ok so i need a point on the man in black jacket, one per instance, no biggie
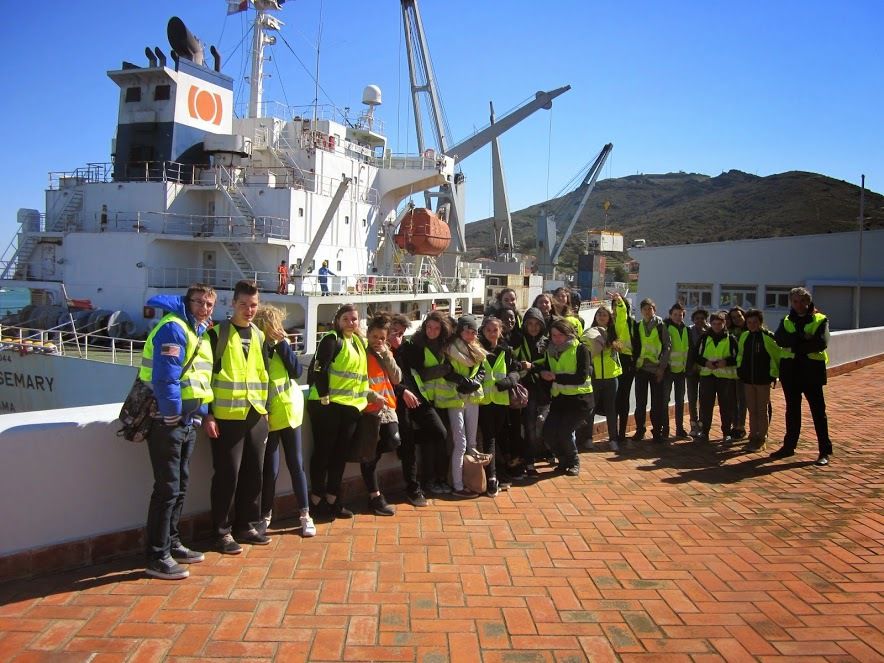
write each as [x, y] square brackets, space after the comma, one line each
[803, 336]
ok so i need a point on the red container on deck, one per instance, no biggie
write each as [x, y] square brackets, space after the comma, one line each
[422, 233]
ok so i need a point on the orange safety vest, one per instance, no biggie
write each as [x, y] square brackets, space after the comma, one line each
[379, 383]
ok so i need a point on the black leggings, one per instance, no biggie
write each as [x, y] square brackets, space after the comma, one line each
[388, 440]
[493, 422]
[624, 388]
[333, 428]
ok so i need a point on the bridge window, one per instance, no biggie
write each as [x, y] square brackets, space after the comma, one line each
[133, 94]
[162, 93]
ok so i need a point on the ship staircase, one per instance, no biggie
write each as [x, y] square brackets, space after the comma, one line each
[247, 220]
[66, 219]
[284, 151]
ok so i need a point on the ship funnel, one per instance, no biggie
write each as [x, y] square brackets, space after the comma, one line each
[183, 41]
[151, 58]
[216, 56]
[160, 56]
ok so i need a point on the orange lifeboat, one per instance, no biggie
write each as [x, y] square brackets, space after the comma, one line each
[422, 233]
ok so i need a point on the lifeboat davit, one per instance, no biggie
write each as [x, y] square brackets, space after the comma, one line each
[422, 233]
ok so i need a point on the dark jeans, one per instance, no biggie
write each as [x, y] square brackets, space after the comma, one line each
[676, 380]
[816, 400]
[659, 415]
[388, 439]
[333, 428]
[605, 397]
[290, 438]
[559, 430]
[712, 387]
[170, 450]
[692, 382]
[493, 422]
[423, 426]
[238, 461]
[624, 388]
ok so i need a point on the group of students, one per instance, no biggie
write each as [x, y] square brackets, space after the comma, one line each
[517, 387]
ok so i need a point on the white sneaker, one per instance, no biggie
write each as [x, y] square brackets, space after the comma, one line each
[614, 446]
[308, 528]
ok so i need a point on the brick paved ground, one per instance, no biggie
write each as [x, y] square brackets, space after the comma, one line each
[683, 553]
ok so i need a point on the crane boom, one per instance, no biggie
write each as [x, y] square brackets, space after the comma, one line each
[479, 140]
[589, 182]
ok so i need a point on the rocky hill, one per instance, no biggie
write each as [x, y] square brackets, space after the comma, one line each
[682, 208]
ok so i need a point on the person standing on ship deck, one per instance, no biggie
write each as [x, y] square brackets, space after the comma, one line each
[283, 286]
[182, 398]
[237, 424]
[324, 273]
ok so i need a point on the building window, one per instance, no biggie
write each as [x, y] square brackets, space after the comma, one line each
[133, 94]
[776, 297]
[694, 295]
[162, 93]
[745, 296]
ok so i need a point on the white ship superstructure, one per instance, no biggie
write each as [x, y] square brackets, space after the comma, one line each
[195, 194]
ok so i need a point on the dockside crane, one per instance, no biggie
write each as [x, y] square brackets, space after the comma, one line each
[450, 197]
[549, 247]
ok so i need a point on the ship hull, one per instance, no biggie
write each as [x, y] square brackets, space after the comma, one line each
[30, 382]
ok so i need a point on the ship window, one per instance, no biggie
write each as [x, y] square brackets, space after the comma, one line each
[694, 295]
[776, 297]
[133, 94]
[301, 211]
[346, 221]
[364, 223]
[298, 263]
[738, 295]
[162, 93]
[339, 264]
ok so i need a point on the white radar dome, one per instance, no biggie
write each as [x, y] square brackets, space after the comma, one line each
[371, 95]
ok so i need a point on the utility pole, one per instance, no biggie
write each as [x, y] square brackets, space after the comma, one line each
[859, 265]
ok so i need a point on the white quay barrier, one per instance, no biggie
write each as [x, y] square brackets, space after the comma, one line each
[68, 478]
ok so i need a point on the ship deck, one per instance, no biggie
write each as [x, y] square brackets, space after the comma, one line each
[685, 553]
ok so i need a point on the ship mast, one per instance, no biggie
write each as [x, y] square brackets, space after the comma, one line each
[260, 39]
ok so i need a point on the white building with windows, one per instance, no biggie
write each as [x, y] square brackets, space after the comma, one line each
[758, 273]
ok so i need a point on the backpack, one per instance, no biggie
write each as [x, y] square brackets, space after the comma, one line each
[311, 369]
[140, 408]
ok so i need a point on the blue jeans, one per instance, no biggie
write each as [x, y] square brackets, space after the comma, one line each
[294, 460]
[170, 449]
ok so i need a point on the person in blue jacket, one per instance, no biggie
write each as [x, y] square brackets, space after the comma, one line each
[182, 399]
[324, 273]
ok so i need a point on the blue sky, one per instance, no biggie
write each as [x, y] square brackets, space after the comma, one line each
[763, 87]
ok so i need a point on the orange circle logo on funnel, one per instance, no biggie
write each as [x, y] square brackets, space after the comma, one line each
[204, 105]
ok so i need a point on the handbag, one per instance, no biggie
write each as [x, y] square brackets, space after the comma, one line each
[474, 463]
[518, 397]
[140, 408]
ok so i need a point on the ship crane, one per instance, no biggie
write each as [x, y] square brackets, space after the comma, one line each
[450, 197]
[549, 248]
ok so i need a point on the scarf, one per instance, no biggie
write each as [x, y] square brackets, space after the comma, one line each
[468, 355]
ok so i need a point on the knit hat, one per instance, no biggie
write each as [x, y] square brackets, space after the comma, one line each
[468, 322]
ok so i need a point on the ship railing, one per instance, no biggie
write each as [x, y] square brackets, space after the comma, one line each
[373, 284]
[90, 173]
[64, 342]
[224, 227]
[429, 160]
[130, 171]
[222, 279]
[283, 177]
